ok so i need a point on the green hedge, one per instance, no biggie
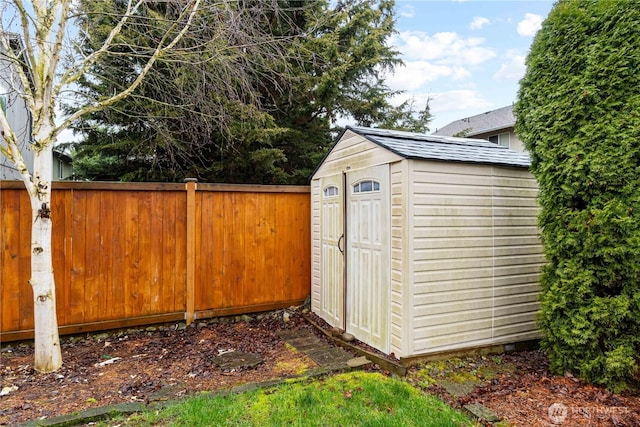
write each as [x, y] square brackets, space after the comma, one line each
[578, 114]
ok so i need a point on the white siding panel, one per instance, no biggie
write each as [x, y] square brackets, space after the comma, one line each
[480, 306]
[514, 332]
[476, 255]
[504, 251]
[518, 259]
[525, 284]
[355, 152]
[445, 334]
[451, 341]
[453, 222]
[460, 232]
[400, 329]
[434, 210]
[315, 245]
[460, 262]
[447, 275]
[516, 299]
[518, 231]
[439, 244]
[457, 290]
[517, 240]
[435, 254]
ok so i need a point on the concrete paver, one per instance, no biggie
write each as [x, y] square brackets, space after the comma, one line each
[319, 351]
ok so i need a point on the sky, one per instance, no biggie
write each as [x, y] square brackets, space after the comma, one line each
[467, 56]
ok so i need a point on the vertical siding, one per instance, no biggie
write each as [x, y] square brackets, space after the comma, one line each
[400, 300]
[476, 255]
[315, 245]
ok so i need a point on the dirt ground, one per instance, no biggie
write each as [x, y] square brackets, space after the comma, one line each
[520, 389]
[171, 361]
[161, 362]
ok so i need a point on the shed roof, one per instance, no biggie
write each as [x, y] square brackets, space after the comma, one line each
[493, 120]
[445, 148]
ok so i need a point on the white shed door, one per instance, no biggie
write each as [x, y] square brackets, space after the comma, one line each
[332, 245]
[368, 259]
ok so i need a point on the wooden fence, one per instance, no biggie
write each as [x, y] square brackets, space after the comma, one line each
[133, 254]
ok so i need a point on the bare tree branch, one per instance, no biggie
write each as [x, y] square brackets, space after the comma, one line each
[160, 48]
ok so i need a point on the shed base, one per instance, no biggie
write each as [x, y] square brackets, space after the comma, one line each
[471, 351]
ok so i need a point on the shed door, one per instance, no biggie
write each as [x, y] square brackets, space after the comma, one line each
[332, 245]
[368, 260]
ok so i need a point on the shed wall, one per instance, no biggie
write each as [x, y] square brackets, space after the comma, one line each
[315, 245]
[401, 293]
[476, 255]
[353, 152]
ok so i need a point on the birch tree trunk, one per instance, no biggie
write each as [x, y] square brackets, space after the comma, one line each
[48, 356]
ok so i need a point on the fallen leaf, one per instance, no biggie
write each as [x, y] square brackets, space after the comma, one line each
[8, 390]
[107, 362]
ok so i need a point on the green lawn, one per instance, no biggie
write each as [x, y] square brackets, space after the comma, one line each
[353, 399]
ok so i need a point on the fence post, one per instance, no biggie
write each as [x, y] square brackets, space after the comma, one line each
[191, 184]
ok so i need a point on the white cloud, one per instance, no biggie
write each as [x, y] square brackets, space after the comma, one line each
[407, 11]
[446, 48]
[449, 106]
[529, 25]
[458, 101]
[514, 67]
[479, 22]
[414, 74]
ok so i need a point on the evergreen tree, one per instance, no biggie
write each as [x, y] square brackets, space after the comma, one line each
[271, 123]
[578, 114]
[197, 110]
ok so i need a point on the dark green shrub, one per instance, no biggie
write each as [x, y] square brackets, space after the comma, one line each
[578, 114]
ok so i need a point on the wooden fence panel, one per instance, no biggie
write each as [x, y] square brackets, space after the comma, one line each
[252, 250]
[120, 253]
[17, 298]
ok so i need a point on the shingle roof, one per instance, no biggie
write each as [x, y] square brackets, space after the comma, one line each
[434, 147]
[501, 118]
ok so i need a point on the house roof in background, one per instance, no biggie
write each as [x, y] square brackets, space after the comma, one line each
[444, 148]
[493, 120]
[16, 44]
[63, 151]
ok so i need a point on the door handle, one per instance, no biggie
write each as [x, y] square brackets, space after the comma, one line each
[340, 240]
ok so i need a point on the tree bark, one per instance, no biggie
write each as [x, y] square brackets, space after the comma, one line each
[48, 357]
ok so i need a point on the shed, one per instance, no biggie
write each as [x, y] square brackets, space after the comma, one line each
[424, 244]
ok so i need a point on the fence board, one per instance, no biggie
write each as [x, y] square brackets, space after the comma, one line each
[120, 253]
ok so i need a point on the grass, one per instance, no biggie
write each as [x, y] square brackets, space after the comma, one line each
[352, 399]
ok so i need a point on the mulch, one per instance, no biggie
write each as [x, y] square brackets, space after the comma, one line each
[171, 361]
